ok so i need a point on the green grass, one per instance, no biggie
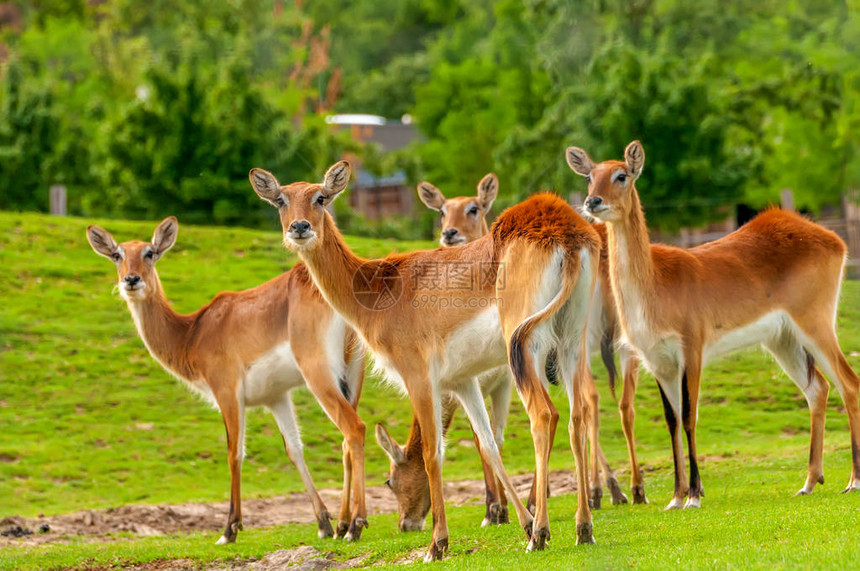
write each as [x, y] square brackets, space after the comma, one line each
[90, 421]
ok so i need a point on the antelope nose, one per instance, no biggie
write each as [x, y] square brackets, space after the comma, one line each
[593, 202]
[449, 233]
[132, 279]
[300, 227]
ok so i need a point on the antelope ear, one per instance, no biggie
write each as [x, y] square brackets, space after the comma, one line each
[488, 188]
[336, 179]
[387, 443]
[265, 185]
[431, 196]
[634, 156]
[579, 161]
[102, 242]
[165, 236]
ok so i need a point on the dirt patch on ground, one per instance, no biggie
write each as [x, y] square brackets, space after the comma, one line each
[304, 558]
[149, 520]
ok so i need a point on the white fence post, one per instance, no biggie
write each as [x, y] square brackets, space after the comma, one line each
[786, 199]
[58, 200]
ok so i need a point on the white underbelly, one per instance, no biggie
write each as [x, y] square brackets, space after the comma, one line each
[474, 348]
[271, 376]
[765, 328]
[494, 378]
[662, 357]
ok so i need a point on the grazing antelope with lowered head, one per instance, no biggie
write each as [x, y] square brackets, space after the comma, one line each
[532, 279]
[465, 220]
[252, 348]
[774, 282]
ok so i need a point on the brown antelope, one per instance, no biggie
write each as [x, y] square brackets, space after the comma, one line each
[463, 221]
[520, 291]
[252, 348]
[773, 282]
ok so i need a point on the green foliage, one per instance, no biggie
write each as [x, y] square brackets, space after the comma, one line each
[734, 101]
[185, 145]
[26, 136]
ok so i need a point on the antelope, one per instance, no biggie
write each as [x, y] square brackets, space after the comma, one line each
[532, 279]
[252, 348]
[464, 220]
[774, 282]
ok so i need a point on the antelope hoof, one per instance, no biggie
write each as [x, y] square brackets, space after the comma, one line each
[354, 533]
[675, 504]
[584, 533]
[853, 486]
[595, 499]
[496, 514]
[324, 530]
[230, 533]
[342, 528]
[539, 540]
[638, 494]
[693, 502]
[618, 497]
[437, 550]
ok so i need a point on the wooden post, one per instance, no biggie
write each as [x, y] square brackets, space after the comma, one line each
[58, 200]
[786, 199]
[851, 205]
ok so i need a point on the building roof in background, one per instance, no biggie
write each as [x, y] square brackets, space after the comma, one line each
[355, 119]
[391, 135]
[365, 179]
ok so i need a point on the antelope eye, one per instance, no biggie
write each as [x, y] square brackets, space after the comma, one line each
[116, 257]
[321, 200]
[621, 178]
[280, 202]
[149, 255]
[388, 482]
[473, 211]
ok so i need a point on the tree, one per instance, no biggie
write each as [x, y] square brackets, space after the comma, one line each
[671, 104]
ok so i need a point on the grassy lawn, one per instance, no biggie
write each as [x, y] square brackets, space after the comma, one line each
[90, 421]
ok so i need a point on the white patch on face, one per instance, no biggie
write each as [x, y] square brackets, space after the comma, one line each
[307, 241]
[616, 174]
[136, 294]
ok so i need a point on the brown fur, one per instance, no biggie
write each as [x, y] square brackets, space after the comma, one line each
[407, 338]
[213, 347]
[778, 261]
